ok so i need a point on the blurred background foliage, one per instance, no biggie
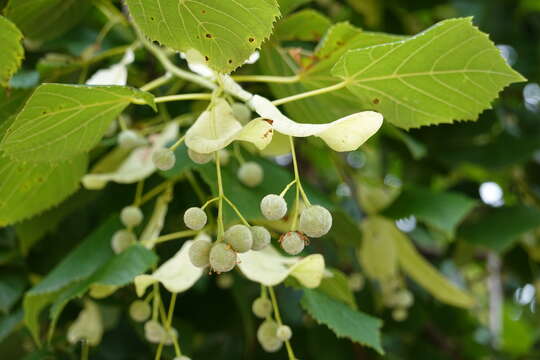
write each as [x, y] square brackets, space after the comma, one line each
[468, 194]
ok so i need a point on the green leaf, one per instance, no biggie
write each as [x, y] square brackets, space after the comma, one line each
[11, 289]
[287, 6]
[11, 101]
[426, 275]
[30, 188]
[337, 287]
[61, 121]
[30, 231]
[499, 228]
[225, 33]
[314, 73]
[378, 254]
[441, 210]
[46, 19]
[11, 50]
[305, 25]
[345, 230]
[342, 320]
[451, 71]
[417, 149]
[118, 271]
[80, 264]
[518, 335]
[9, 322]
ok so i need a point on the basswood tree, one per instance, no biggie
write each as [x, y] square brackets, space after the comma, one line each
[137, 165]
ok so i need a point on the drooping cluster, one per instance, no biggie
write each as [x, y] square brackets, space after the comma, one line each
[131, 216]
[398, 298]
[315, 221]
[270, 334]
[221, 256]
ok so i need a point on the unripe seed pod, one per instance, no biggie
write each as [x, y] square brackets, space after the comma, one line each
[195, 218]
[164, 159]
[261, 307]
[273, 207]
[315, 221]
[241, 112]
[239, 237]
[399, 314]
[284, 333]
[356, 281]
[199, 253]
[139, 310]
[129, 139]
[131, 216]
[261, 237]
[154, 332]
[403, 298]
[266, 334]
[121, 240]
[222, 258]
[250, 174]
[292, 242]
[199, 158]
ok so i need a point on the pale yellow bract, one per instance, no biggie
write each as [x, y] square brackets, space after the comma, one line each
[217, 127]
[345, 134]
[268, 267]
[177, 274]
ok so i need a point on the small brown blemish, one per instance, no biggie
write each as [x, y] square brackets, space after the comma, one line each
[230, 61]
[339, 43]
[269, 132]
[208, 36]
[152, 18]
[269, 121]
[206, 58]
[376, 101]
[203, 11]
[251, 39]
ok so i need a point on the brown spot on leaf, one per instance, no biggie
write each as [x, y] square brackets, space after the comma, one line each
[206, 58]
[208, 36]
[251, 39]
[270, 121]
[376, 101]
